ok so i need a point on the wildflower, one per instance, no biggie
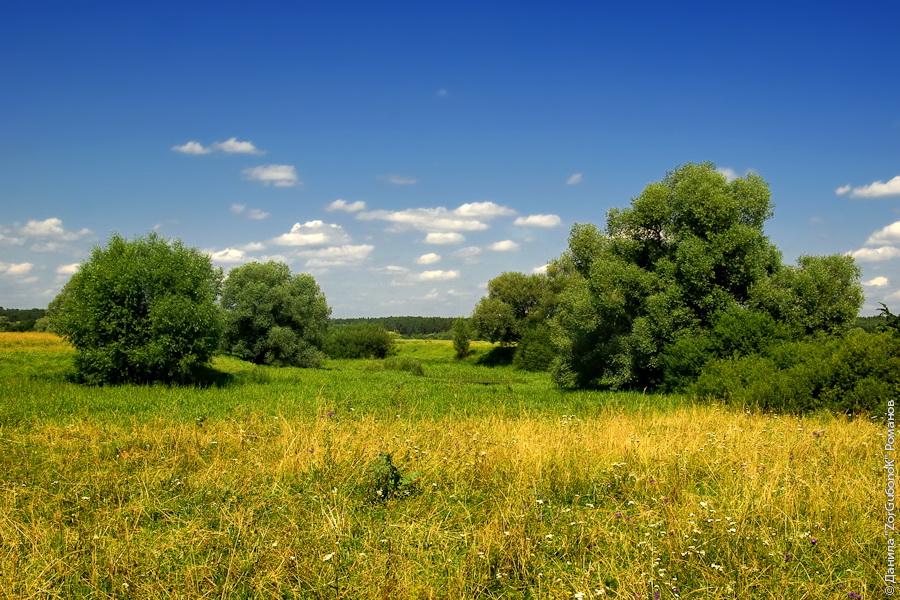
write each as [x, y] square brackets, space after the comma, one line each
[853, 595]
[813, 541]
[328, 557]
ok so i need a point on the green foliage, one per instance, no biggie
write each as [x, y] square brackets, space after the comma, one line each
[408, 327]
[855, 373]
[362, 340]
[140, 311]
[535, 350]
[513, 303]
[405, 364]
[18, 319]
[273, 317]
[683, 274]
[461, 334]
[890, 321]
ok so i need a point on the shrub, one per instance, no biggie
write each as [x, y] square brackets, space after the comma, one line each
[461, 334]
[409, 365]
[852, 374]
[140, 311]
[535, 350]
[360, 340]
[273, 317]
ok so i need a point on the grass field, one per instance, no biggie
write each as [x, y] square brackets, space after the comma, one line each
[263, 487]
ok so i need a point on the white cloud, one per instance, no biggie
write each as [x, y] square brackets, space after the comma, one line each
[51, 228]
[444, 239]
[229, 146]
[398, 179]
[885, 236]
[843, 189]
[876, 254]
[394, 270]
[428, 259]
[277, 175]
[876, 282]
[538, 221]
[877, 189]
[574, 179]
[253, 247]
[192, 147]
[15, 268]
[483, 210]
[432, 295]
[542, 270]
[313, 233]
[504, 246]
[337, 256]
[436, 275]
[228, 256]
[467, 217]
[729, 173]
[253, 213]
[67, 269]
[233, 146]
[344, 206]
[467, 254]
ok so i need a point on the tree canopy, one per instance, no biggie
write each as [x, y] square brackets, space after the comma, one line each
[688, 250]
[140, 310]
[273, 317]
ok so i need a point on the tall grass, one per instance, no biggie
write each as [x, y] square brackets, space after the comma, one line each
[260, 488]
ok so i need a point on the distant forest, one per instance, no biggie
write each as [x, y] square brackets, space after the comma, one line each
[24, 319]
[410, 327]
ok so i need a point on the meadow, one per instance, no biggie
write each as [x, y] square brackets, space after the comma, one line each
[264, 485]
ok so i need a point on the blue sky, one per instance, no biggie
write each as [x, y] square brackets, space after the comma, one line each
[404, 153]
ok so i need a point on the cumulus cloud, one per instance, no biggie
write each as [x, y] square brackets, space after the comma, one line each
[313, 233]
[467, 217]
[877, 282]
[277, 175]
[398, 179]
[885, 236]
[468, 254]
[729, 173]
[877, 189]
[504, 246]
[876, 254]
[393, 270]
[436, 275]
[253, 213]
[428, 259]
[538, 221]
[444, 239]
[229, 146]
[337, 256]
[344, 206]
[542, 270]
[52, 228]
[574, 179]
[228, 256]
[69, 269]
[15, 268]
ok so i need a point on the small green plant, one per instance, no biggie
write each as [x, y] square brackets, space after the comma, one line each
[386, 481]
[462, 335]
[404, 363]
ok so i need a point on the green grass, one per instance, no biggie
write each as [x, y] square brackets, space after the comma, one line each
[261, 487]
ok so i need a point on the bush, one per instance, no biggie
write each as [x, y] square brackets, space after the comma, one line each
[852, 374]
[462, 334]
[535, 350]
[361, 340]
[273, 317]
[408, 365]
[140, 311]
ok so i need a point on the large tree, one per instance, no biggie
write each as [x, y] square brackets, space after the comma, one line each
[140, 310]
[515, 302]
[688, 250]
[273, 317]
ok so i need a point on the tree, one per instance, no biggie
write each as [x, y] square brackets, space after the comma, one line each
[462, 334]
[140, 311]
[688, 250]
[272, 317]
[514, 302]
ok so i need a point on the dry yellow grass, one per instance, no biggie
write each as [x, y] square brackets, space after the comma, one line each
[31, 341]
[700, 502]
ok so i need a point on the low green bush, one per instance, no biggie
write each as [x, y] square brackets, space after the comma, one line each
[360, 340]
[402, 363]
[852, 374]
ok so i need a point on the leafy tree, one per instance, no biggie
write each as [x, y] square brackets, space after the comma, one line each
[273, 317]
[360, 340]
[462, 334]
[646, 294]
[140, 311]
[514, 302]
